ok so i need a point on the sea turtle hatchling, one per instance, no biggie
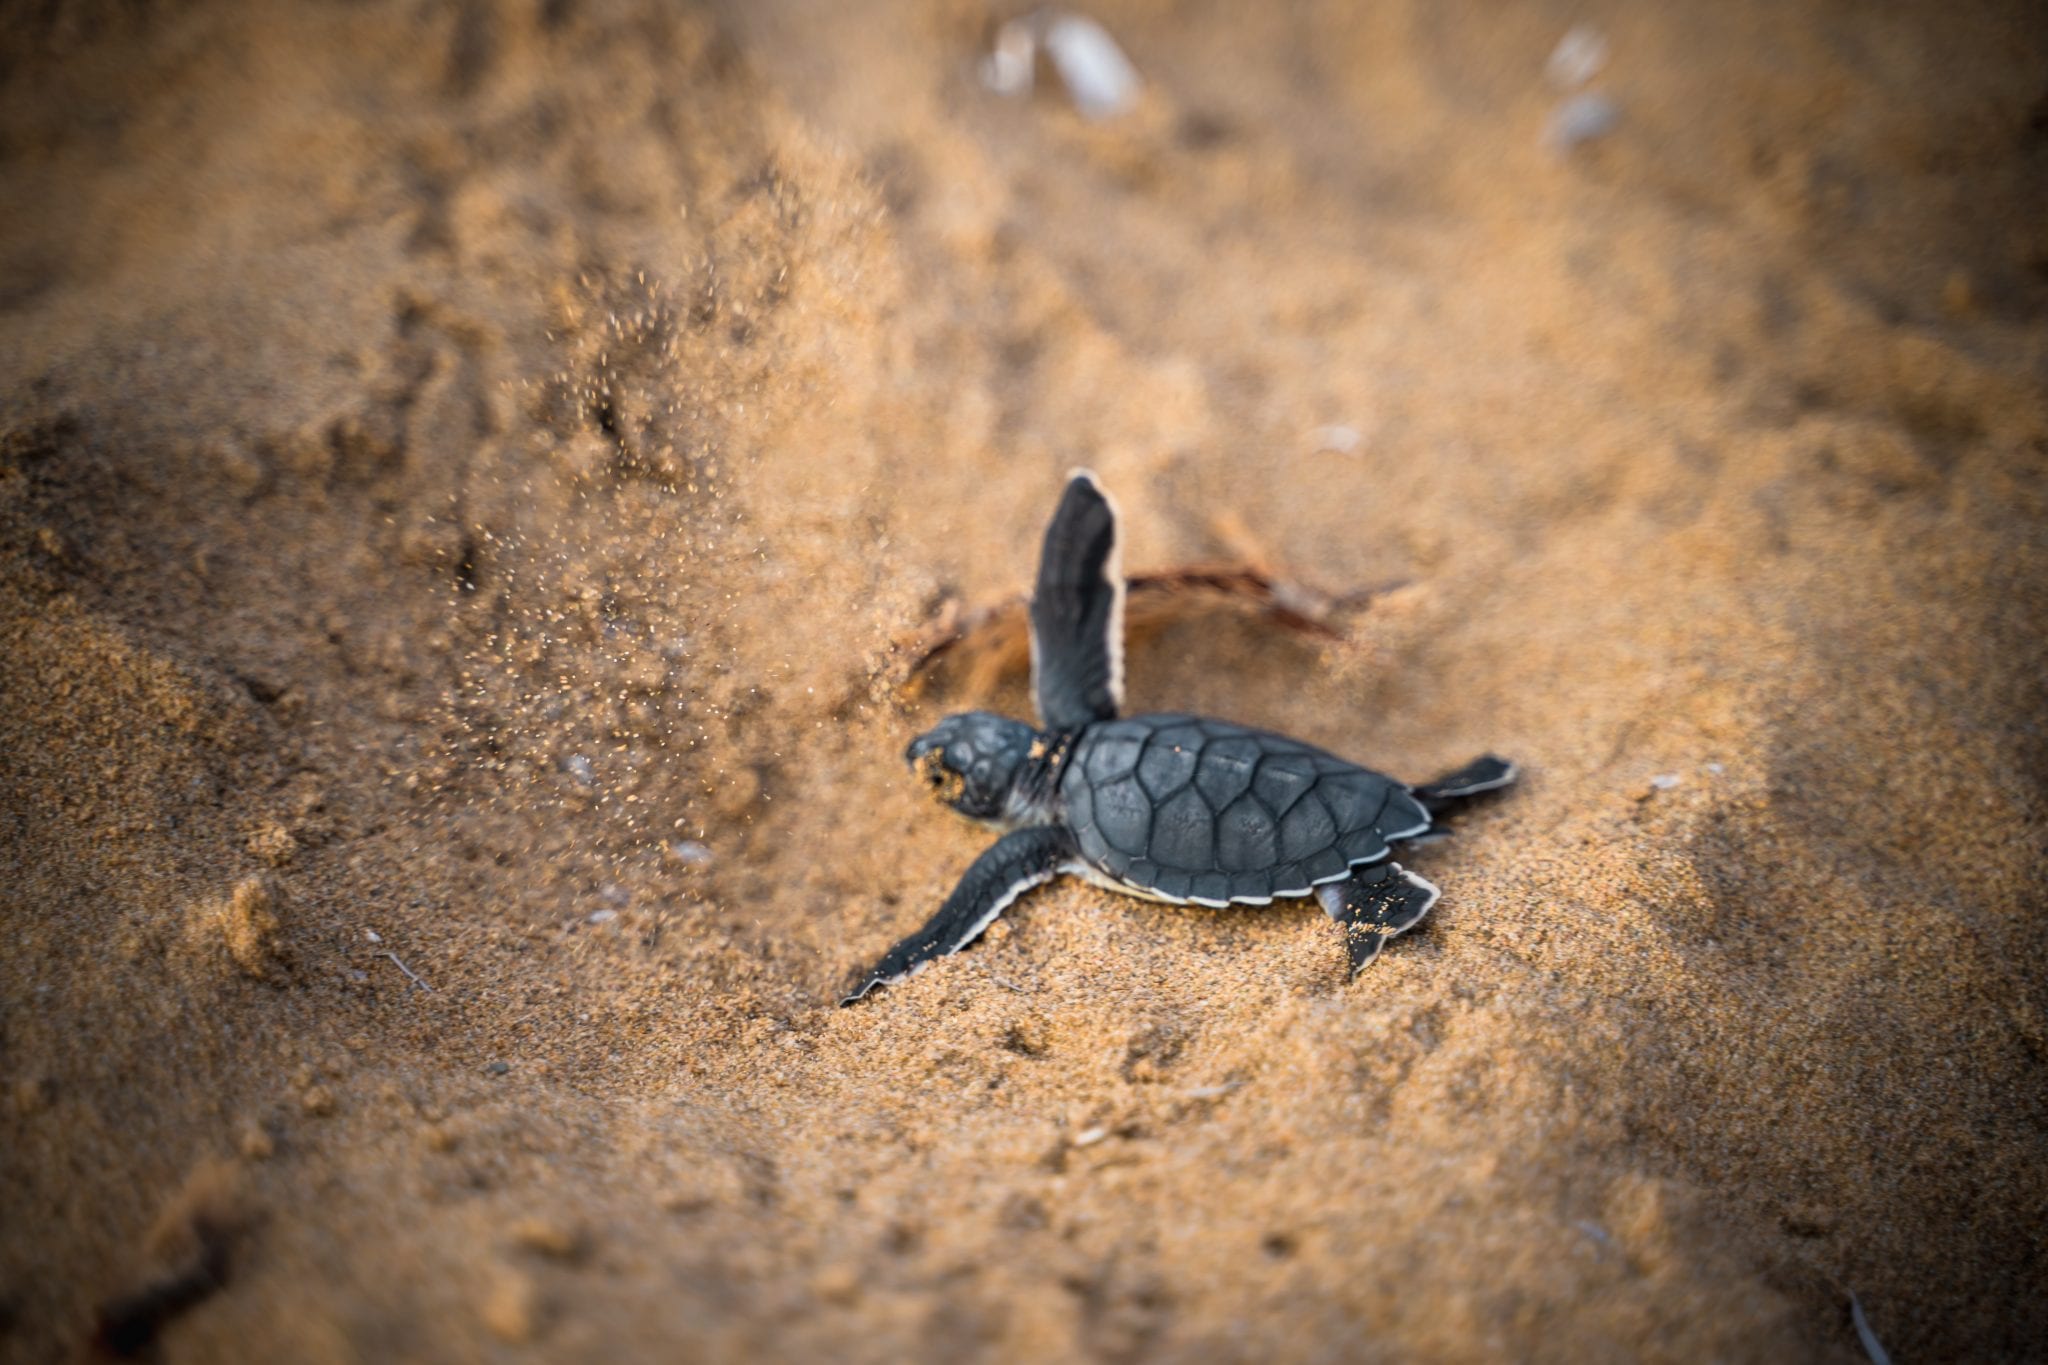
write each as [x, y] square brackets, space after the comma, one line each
[1168, 807]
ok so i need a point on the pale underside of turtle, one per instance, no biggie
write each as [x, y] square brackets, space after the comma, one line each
[1175, 808]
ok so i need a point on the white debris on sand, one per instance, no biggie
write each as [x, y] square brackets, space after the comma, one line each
[1577, 58]
[688, 852]
[1579, 120]
[1098, 76]
[1007, 68]
[1337, 439]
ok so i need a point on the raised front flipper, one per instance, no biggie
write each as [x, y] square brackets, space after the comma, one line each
[1013, 865]
[1077, 612]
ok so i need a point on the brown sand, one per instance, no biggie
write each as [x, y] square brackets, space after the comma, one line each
[453, 456]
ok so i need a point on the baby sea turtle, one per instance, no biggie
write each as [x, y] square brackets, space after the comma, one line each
[1167, 807]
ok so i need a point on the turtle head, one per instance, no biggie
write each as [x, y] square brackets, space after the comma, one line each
[972, 761]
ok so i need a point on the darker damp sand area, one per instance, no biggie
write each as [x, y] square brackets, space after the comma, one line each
[467, 478]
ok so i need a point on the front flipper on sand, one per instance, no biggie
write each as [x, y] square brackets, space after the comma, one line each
[1013, 865]
[1374, 904]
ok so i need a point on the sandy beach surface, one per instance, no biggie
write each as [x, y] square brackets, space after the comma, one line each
[471, 481]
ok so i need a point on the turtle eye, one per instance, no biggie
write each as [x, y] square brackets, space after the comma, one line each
[932, 769]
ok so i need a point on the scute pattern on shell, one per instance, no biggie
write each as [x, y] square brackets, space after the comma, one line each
[1189, 808]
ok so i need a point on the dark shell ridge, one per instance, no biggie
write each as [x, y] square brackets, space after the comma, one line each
[1194, 809]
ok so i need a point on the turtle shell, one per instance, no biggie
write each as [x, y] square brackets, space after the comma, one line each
[1191, 809]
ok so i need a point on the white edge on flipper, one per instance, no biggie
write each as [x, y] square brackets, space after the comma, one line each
[980, 927]
[1326, 890]
[1505, 779]
[1031, 637]
[1113, 569]
[1434, 896]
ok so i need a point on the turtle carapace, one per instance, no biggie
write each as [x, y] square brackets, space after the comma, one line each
[1167, 807]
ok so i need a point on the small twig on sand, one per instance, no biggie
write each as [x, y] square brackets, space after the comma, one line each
[1212, 1092]
[1007, 985]
[411, 975]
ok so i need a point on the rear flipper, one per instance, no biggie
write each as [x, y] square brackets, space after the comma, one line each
[1374, 904]
[1475, 778]
[1012, 865]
